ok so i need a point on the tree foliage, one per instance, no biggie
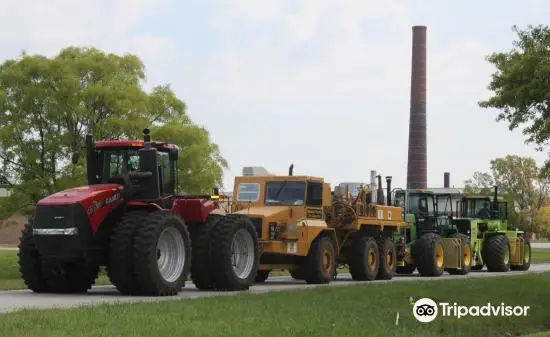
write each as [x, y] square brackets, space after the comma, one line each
[521, 84]
[48, 105]
[521, 182]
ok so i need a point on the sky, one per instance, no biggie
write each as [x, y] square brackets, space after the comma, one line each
[324, 85]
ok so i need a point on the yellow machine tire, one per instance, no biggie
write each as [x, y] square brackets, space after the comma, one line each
[428, 254]
[320, 263]
[363, 258]
[467, 249]
[526, 258]
[388, 259]
[227, 230]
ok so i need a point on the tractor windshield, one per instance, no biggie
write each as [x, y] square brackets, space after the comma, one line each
[420, 204]
[113, 161]
[285, 193]
[417, 203]
[481, 208]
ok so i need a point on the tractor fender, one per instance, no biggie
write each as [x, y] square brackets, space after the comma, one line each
[312, 229]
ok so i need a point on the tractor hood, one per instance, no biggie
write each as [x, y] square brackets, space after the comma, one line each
[82, 194]
[263, 211]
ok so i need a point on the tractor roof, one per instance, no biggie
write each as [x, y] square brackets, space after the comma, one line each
[268, 178]
[137, 144]
[416, 190]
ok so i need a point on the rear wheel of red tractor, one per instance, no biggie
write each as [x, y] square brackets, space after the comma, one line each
[120, 267]
[201, 270]
[162, 254]
[30, 265]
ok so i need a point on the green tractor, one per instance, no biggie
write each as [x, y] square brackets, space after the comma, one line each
[485, 223]
[423, 242]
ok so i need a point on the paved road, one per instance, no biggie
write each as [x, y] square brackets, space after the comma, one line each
[19, 299]
[533, 245]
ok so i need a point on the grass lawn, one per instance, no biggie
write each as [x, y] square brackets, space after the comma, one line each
[360, 310]
[10, 278]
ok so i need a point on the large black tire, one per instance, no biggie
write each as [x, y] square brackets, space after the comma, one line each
[147, 255]
[526, 257]
[201, 270]
[363, 259]
[467, 258]
[226, 278]
[120, 266]
[388, 259]
[320, 262]
[428, 254]
[70, 277]
[262, 276]
[497, 253]
[30, 265]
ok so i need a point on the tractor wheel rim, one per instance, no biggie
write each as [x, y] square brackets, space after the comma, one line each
[526, 254]
[170, 254]
[372, 259]
[327, 261]
[467, 255]
[439, 256]
[242, 250]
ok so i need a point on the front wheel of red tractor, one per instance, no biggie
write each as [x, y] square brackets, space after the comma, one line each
[162, 254]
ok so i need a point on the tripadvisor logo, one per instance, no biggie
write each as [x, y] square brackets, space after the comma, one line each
[426, 310]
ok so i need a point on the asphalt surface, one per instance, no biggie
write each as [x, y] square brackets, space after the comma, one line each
[533, 245]
[21, 299]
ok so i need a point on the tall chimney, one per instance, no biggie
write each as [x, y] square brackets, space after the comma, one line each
[446, 179]
[417, 175]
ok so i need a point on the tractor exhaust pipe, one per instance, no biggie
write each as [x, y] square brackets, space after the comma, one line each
[146, 138]
[291, 170]
[91, 160]
[380, 196]
[388, 190]
[446, 179]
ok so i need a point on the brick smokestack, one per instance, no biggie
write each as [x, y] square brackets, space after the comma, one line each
[417, 170]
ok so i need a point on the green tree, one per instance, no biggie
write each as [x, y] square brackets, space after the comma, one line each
[521, 84]
[481, 184]
[48, 105]
[521, 182]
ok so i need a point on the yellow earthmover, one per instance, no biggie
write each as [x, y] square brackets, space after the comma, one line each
[301, 227]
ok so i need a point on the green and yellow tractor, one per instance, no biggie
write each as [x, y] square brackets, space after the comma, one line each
[494, 245]
[421, 244]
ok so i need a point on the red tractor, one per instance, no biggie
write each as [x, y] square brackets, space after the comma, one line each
[130, 219]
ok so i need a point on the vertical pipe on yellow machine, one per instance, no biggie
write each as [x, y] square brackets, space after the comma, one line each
[372, 186]
[380, 195]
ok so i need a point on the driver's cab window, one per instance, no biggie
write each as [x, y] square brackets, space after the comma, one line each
[482, 209]
[285, 193]
[116, 161]
[314, 194]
